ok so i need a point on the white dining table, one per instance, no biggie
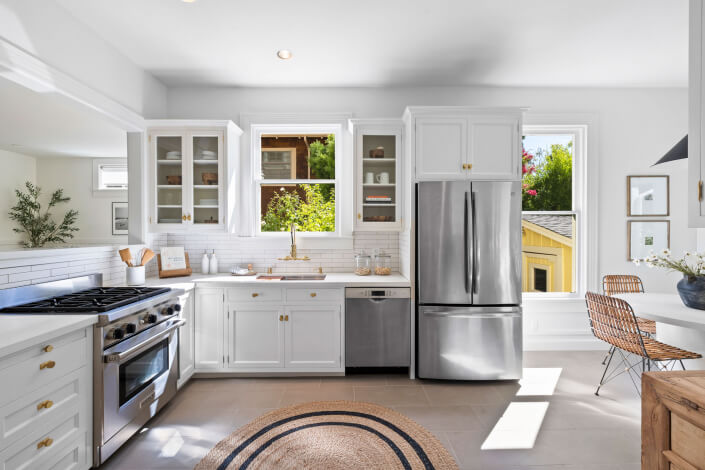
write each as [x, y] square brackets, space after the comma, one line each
[676, 324]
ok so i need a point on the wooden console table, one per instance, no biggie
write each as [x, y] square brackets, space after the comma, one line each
[673, 420]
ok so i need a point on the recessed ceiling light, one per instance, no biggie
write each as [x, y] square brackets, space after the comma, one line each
[188, 1]
[284, 54]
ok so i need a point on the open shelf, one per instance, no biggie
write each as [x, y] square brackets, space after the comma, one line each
[169, 186]
[169, 206]
[378, 185]
[379, 204]
[169, 162]
[379, 160]
[205, 186]
[205, 162]
[205, 207]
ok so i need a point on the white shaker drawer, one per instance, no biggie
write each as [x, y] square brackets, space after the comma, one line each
[314, 294]
[72, 456]
[40, 450]
[35, 408]
[35, 367]
[255, 294]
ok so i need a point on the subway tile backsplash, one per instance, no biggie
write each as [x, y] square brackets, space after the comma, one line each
[233, 251]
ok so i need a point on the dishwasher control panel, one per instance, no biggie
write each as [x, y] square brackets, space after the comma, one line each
[377, 293]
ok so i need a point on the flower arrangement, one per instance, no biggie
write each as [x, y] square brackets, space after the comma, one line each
[691, 265]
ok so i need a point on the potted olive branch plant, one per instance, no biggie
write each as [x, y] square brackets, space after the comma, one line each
[692, 265]
[39, 227]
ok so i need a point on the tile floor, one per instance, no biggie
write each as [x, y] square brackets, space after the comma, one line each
[580, 431]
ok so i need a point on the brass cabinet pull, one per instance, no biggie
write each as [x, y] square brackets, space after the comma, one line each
[281, 317]
[465, 167]
[286, 317]
[255, 294]
[47, 365]
[700, 190]
[48, 348]
[45, 442]
[183, 217]
[313, 294]
[359, 216]
[469, 166]
[45, 404]
[188, 217]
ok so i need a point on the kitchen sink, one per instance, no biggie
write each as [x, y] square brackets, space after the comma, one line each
[292, 277]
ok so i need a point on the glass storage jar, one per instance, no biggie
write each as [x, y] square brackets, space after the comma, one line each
[363, 264]
[383, 264]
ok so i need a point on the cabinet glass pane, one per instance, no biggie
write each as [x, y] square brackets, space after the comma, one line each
[205, 180]
[169, 179]
[379, 178]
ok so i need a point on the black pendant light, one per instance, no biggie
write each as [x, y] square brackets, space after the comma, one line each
[677, 152]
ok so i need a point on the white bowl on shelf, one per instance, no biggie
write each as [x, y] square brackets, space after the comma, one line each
[208, 202]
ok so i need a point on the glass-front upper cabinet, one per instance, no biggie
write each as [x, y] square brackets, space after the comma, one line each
[189, 171]
[378, 156]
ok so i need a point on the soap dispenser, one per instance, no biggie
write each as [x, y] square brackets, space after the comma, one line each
[213, 264]
[205, 264]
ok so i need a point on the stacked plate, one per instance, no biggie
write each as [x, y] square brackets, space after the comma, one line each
[209, 155]
[173, 155]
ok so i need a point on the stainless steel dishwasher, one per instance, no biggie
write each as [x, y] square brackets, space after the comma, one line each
[377, 327]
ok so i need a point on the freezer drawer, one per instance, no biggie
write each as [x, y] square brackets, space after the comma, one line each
[377, 331]
[470, 343]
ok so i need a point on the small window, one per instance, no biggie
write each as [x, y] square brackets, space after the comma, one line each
[540, 280]
[110, 176]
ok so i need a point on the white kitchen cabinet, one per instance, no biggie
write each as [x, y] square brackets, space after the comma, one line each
[313, 337]
[256, 334]
[378, 173]
[191, 163]
[46, 404]
[209, 331]
[696, 116]
[187, 351]
[269, 329]
[454, 143]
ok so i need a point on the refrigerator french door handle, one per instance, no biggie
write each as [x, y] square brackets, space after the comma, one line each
[466, 253]
[431, 313]
[474, 243]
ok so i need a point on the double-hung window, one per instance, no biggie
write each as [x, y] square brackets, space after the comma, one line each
[109, 174]
[552, 203]
[296, 180]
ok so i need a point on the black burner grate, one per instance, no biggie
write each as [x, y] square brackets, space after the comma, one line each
[98, 300]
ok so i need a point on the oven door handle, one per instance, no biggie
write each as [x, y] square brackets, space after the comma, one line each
[121, 356]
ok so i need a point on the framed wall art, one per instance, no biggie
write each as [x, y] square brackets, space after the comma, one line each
[648, 196]
[645, 236]
[119, 218]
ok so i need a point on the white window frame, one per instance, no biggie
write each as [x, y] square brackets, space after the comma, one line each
[343, 208]
[583, 130]
[98, 163]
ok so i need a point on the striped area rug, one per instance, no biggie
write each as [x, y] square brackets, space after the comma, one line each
[332, 435]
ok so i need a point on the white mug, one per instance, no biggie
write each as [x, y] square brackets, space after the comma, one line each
[383, 178]
[369, 178]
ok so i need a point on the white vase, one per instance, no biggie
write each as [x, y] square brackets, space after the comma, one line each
[205, 264]
[213, 264]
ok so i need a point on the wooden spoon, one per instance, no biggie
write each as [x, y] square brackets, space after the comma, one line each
[147, 256]
[126, 256]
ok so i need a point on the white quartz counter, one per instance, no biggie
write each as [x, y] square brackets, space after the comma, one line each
[331, 280]
[20, 331]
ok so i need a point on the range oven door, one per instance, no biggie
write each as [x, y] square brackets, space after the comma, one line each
[139, 377]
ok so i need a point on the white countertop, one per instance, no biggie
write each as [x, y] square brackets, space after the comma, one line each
[331, 280]
[21, 331]
[665, 308]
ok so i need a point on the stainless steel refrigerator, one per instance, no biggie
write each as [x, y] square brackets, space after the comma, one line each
[468, 276]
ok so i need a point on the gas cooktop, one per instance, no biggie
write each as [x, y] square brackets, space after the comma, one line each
[96, 300]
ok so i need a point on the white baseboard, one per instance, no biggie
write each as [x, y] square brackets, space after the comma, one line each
[563, 343]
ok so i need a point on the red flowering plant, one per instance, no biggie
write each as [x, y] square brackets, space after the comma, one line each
[527, 168]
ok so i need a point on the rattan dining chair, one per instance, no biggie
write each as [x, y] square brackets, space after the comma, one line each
[613, 321]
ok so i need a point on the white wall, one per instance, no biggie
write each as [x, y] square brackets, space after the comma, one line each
[16, 169]
[47, 31]
[635, 128]
[75, 176]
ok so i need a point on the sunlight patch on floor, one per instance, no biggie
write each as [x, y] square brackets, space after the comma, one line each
[539, 381]
[518, 426]
[172, 446]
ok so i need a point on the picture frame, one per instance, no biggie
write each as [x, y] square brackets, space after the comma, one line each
[648, 196]
[645, 236]
[119, 219]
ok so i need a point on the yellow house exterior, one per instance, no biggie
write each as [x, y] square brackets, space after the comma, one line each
[547, 253]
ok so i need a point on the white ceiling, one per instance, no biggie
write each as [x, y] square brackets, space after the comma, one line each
[48, 124]
[399, 42]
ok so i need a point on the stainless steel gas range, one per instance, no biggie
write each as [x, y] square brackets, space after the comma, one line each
[135, 348]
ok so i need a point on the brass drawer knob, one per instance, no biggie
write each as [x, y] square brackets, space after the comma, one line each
[45, 442]
[47, 365]
[255, 294]
[45, 404]
[48, 348]
[313, 294]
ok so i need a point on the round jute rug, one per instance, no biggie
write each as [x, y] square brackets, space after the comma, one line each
[332, 435]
